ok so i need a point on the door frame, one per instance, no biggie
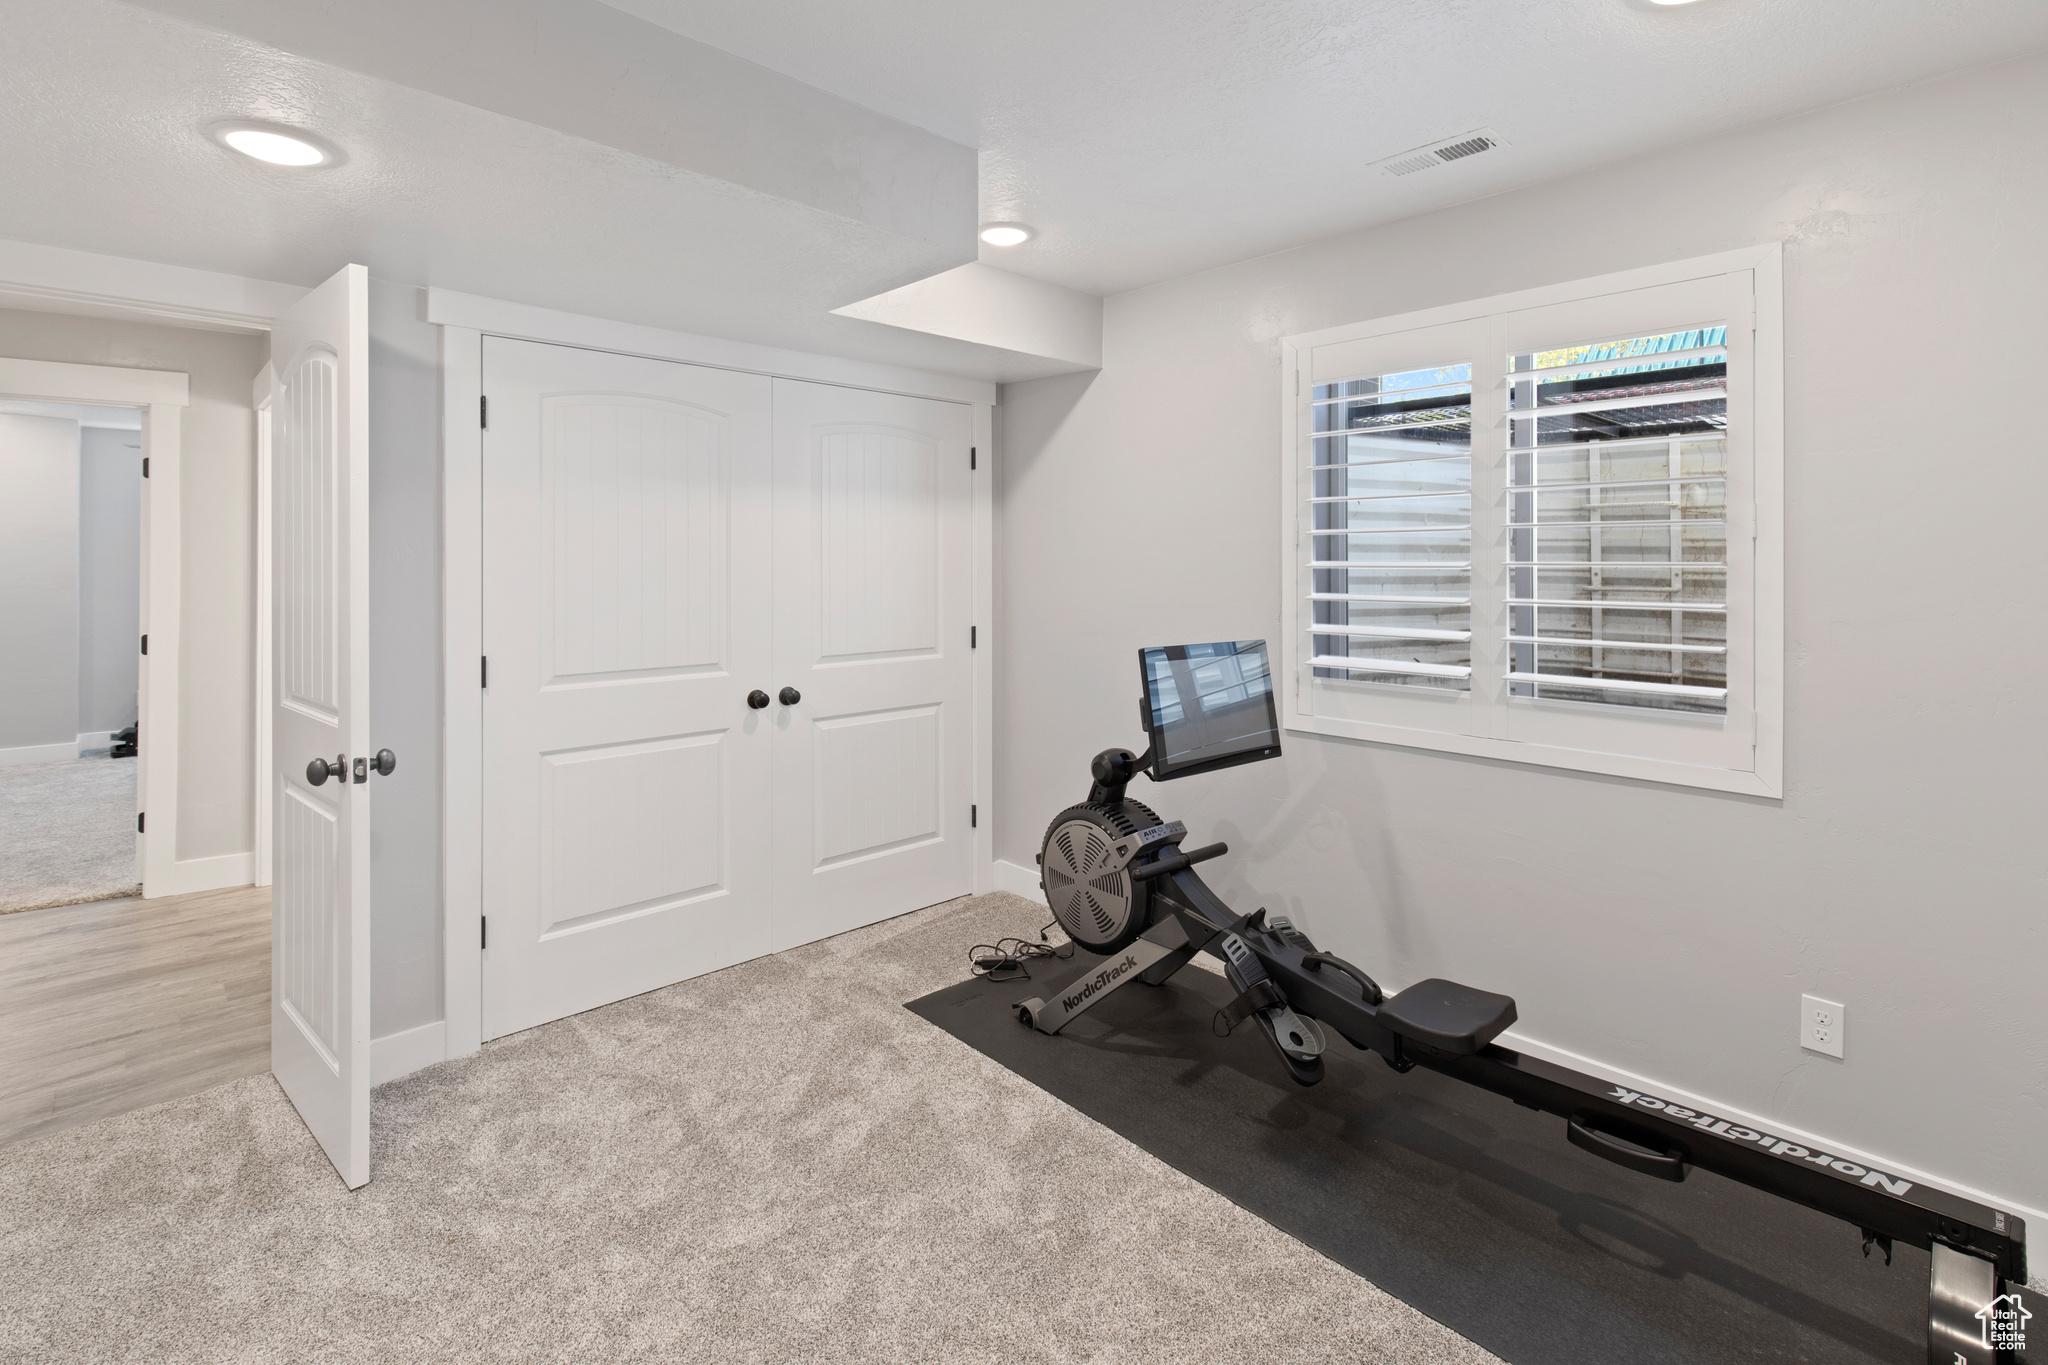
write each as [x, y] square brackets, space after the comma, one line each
[260, 397]
[161, 396]
[465, 320]
[62, 280]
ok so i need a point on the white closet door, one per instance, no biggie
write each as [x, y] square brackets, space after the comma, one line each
[320, 900]
[627, 591]
[874, 589]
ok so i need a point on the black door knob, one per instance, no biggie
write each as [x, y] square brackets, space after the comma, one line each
[385, 763]
[757, 699]
[319, 770]
[790, 696]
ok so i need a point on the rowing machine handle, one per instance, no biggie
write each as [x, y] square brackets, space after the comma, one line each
[1178, 862]
[1371, 988]
[1663, 1165]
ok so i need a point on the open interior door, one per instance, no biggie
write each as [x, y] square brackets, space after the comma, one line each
[320, 821]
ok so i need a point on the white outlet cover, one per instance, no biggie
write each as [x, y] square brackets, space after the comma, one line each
[1821, 1024]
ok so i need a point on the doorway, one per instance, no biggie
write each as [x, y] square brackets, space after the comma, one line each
[728, 682]
[70, 631]
[126, 1001]
[115, 1001]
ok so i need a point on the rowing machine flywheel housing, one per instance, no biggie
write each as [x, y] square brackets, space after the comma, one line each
[1100, 909]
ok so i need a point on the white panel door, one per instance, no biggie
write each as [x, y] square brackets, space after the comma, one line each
[320, 897]
[874, 589]
[627, 543]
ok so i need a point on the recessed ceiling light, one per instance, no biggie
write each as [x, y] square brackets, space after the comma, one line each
[1005, 234]
[275, 145]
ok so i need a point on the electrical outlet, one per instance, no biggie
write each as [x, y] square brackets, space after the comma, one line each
[1821, 1025]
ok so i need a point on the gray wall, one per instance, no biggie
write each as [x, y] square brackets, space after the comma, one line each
[1665, 931]
[218, 444]
[405, 660]
[109, 576]
[38, 581]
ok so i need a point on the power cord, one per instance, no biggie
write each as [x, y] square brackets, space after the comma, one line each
[1004, 959]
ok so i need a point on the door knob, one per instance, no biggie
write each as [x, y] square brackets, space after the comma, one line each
[319, 770]
[790, 696]
[757, 699]
[385, 763]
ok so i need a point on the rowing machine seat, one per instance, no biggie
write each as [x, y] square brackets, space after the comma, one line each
[1448, 1016]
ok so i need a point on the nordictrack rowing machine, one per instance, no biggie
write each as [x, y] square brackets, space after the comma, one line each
[1123, 888]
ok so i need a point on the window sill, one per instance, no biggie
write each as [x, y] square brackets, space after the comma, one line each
[1544, 756]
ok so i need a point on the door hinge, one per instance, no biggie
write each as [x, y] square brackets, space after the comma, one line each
[973, 817]
[140, 818]
[971, 643]
[970, 457]
[484, 671]
[145, 466]
[145, 644]
[483, 412]
[483, 926]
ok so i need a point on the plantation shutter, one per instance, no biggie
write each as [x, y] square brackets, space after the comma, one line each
[1388, 519]
[1531, 532]
[1627, 521]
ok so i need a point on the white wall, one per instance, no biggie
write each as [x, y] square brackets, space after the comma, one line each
[109, 576]
[405, 660]
[1663, 931]
[38, 586]
[217, 680]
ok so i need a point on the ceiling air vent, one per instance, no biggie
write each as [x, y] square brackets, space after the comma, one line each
[1437, 153]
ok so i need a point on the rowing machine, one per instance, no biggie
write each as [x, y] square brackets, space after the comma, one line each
[1124, 889]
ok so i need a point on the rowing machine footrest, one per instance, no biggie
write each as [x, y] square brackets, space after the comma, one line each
[1447, 1016]
[1263, 995]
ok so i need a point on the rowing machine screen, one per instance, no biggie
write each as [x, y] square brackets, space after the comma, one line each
[1208, 706]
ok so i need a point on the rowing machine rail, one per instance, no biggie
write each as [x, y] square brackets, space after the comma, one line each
[1978, 1251]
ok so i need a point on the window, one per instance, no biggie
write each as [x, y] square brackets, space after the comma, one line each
[1544, 527]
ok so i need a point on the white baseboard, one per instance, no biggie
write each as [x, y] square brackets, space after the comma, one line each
[38, 753]
[1018, 881]
[203, 874]
[95, 739]
[1664, 1090]
[401, 1054]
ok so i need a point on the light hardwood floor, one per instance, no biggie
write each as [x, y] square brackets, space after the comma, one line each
[118, 1004]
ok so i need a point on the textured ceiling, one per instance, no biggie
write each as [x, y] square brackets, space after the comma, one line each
[102, 106]
[579, 156]
[1147, 139]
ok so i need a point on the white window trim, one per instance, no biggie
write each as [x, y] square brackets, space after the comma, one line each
[1767, 778]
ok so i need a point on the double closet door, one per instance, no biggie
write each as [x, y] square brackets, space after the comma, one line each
[666, 546]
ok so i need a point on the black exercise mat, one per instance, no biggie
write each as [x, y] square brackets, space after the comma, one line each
[1456, 1201]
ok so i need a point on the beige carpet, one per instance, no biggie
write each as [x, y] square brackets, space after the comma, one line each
[68, 831]
[773, 1163]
